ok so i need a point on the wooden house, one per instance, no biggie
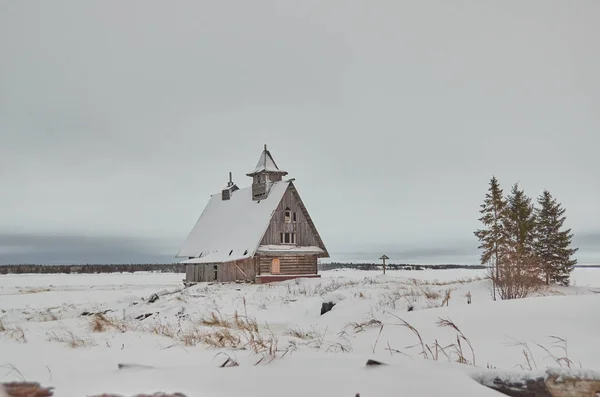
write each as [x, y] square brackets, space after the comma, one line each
[260, 233]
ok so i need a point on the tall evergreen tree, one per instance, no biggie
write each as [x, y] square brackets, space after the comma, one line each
[553, 245]
[519, 224]
[492, 237]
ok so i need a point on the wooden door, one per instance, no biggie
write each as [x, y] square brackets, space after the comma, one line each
[275, 266]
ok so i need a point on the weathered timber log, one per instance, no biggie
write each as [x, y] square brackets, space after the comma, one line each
[25, 389]
[534, 387]
[555, 382]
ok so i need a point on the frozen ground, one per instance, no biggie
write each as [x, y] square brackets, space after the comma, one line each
[281, 343]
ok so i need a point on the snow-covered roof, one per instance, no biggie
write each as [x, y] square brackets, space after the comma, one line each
[266, 164]
[278, 249]
[231, 229]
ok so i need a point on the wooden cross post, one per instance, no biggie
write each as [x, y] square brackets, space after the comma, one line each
[383, 258]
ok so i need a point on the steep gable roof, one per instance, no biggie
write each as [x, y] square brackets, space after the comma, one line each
[232, 229]
[309, 220]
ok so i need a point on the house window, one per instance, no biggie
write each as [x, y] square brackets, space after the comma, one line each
[288, 238]
[294, 219]
[287, 215]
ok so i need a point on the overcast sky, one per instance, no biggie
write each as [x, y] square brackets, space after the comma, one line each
[119, 119]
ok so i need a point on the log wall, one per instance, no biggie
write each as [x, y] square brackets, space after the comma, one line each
[244, 270]
[299, 264]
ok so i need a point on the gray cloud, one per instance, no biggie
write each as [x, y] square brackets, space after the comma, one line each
[65, 249]
[120, 119]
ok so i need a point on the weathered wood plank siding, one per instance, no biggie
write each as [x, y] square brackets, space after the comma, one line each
[304, 233]
[300, 264]
[225, 272]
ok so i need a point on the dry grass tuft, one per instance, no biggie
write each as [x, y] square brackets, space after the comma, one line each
[459, 337]
[101, 323]
[160, 329]
[302, 334]
[562, 359]
[2, 328]
[360, 327]
[560, 343]
[530, 363]
[405, 324]
[239, 332]
[238, 322]
[16, 333]
[34, 290]
[452, 352]
[70, 339]
[229, 362]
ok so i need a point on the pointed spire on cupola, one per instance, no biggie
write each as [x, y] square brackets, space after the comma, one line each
[266, 164]
[264, 175]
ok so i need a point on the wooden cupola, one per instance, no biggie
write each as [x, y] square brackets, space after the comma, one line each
[264, 175]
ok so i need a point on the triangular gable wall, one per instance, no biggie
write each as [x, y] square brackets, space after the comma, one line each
[306, 232]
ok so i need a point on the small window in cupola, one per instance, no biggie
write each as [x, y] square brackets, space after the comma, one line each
[287, 215]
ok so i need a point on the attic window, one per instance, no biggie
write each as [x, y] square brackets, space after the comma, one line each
[294, 217]
[288, 238]
[287, 215]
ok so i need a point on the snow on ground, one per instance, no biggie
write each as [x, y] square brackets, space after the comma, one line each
[298, 351]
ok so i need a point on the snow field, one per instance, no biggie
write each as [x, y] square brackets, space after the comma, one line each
[191, 332]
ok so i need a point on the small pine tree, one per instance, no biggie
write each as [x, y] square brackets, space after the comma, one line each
[553, 245]
[492, 237]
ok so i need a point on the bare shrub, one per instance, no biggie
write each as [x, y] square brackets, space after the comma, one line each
[16, 333]
[70, 339]
[430, 294]
[2, 328]
[517, 277]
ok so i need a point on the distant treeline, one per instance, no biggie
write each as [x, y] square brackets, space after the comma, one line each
[180, 268]
[392, 266]
[89, 269]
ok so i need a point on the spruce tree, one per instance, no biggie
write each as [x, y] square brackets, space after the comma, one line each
[492, 237]
[519, 224]
[553, 245]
